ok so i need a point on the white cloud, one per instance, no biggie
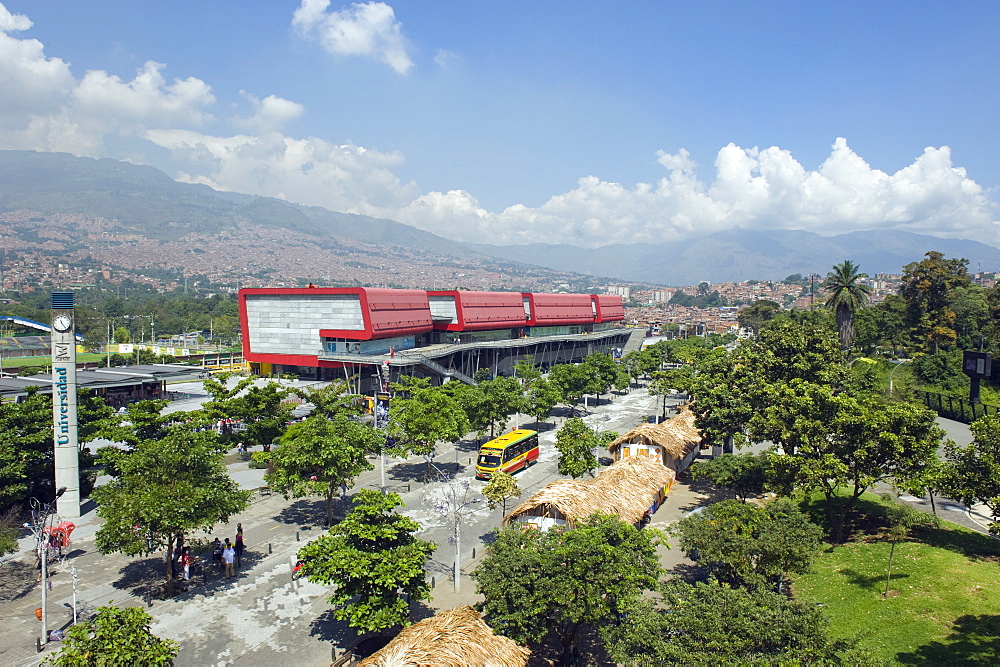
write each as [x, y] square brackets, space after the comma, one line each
[44, 107]
[31, 82]
[445, 58]
[752, 189]
[270, 113]
[146, 99]
[368, 29]
[306, 171]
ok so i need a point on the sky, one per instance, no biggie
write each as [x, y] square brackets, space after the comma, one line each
[514, 122]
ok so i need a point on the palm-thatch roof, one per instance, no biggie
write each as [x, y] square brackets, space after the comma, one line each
[677, 435]
[626, 489]
[456, 637]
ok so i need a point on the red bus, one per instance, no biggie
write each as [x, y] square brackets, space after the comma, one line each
[509, 453]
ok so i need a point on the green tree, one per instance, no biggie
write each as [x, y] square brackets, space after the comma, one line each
[572, 382]
[576, 442]
[847, 296]
[751, 546]
[928, 286]
[842, 444]
[263, 409]
[501, 487]
[708, 624]
[319, 455]
[605, 373]
[330, 399]
[540, 397]
[26, 445]
[165, 488]
[744, 474]
[422, 415]
[115, 636]
[754, 316]
[373, 561]
[971, 474]
[492, 402]
[121, 335]
[566, 580]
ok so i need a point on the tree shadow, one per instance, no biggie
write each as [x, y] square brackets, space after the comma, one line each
[327, 628]
[488, 538]
[707, 492]
[417, 471]
[971, 544]
[871, 582]
[143, 577]
[974, 640]
[689, 572]
[17, 579]
[309, 512]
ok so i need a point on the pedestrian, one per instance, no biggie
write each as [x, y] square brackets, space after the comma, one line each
[186, 562]
[228, 556]
[239, 544]
[217, 552]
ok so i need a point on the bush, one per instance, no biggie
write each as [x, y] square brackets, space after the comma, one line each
[260, 459]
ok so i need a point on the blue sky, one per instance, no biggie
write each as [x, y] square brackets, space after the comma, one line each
[515, 122]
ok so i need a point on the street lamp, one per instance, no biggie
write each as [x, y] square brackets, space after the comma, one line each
[898, 362]
[40, 515]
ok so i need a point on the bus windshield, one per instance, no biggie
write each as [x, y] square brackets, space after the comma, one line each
[487, 461]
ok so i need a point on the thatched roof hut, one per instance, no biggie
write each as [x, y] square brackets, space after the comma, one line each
[676, 439]
[456, 637]
[625, 489]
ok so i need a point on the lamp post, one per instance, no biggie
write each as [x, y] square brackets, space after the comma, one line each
[40, 514]
[898, 362]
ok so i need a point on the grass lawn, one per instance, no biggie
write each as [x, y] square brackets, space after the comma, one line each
[944, 602]
[18, 362]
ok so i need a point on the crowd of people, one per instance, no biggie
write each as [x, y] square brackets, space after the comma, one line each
[226, 554]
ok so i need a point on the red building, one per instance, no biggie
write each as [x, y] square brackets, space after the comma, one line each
[328, 332]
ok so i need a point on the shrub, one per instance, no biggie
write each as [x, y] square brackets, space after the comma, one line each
[260, 459]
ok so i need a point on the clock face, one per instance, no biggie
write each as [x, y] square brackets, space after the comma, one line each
[62, 323]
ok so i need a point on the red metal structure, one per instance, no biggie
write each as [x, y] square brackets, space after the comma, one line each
[610, 308]
[476, 311]
[546, 310]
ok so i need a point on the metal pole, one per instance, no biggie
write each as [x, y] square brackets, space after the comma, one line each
[458, 574]
[73, 571]
[45, 620]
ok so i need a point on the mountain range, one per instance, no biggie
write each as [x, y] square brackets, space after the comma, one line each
[144, 202]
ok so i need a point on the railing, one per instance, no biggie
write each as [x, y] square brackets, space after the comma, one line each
[957, 408]
[450, 372]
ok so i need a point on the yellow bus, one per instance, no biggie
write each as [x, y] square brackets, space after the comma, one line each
[509, 453]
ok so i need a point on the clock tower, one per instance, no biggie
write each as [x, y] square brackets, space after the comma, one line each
[67, 458]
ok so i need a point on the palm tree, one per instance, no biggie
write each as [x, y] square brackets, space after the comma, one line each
[846, 297]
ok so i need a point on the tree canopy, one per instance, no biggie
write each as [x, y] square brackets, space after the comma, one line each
[576, 442]
[373, 561]
[708, 624]
[564, 580]
[164, 489]
[746, 545]
[115, 636]
[319, 455]
[847, 296]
